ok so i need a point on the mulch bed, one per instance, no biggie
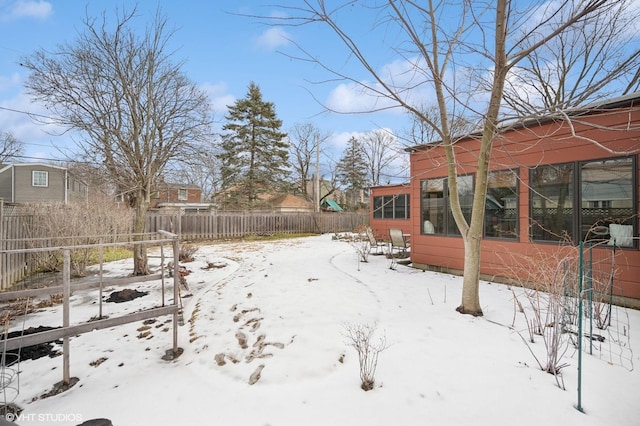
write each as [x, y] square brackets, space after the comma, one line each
[125, 295]
[35, 351]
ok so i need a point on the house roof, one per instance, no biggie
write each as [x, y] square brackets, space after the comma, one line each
[288, 200]
[51, 166]
[631, 99]
[332, 205]
[163, 185]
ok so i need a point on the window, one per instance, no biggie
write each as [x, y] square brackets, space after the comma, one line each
[377, 207]
[435, 203]
[401, 207]
[607, 200]
[183, 194]
[584, 201]
[501, 207]
[391, 207]
[39, 178]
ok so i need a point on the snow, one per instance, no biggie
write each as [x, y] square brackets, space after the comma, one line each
[439, 367]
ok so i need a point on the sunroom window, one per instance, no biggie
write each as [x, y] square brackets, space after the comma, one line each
[589, 201]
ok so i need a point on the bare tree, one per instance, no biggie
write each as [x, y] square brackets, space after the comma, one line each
[10, 147]
[380, 149]
[583, 64]
[133, 107]
[305, 140]
[202, 169]
[421, 132]
[440, 42]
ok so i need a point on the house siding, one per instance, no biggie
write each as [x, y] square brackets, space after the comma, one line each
[5, 185]
[170, 194]
[382, 225]
[27, 193]
[609, 135]
[16, 185]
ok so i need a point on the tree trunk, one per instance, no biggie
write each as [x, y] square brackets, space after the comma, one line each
[470, 283]
[140, 260]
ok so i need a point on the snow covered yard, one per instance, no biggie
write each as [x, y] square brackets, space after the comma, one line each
[282, 308]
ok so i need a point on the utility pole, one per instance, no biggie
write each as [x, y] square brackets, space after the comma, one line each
[316, 183]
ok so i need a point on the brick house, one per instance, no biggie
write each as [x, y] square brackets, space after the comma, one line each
[173, 196]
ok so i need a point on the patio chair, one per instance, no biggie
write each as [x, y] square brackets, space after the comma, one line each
[398, 241]
[375, 243]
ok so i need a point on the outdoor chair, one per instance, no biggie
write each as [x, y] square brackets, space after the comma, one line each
[374, 243]
[398, 241]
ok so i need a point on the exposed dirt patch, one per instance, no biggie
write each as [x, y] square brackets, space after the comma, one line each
[125, 295]
[60, 387]
[35, 351]
[97, 362]
[214, 265]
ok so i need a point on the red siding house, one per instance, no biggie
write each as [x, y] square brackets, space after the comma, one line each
[552, 183]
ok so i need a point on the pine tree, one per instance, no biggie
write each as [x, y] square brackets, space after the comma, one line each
[254, 151]
[352, 171]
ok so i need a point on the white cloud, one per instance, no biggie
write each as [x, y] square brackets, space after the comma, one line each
[273, 38]
[27, 9]
[366, 96]
[219, 96]
[339, 141]
[16, 120]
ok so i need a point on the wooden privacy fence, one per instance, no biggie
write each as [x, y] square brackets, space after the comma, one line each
[13, 233]
[221, 225]
[19, 232]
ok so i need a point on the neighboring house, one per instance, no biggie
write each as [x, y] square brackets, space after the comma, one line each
[174, 196]
[39, 183]
[287, 203]
[551, 184]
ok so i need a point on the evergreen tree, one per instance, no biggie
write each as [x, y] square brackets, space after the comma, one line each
[254, 153]
[352, 171]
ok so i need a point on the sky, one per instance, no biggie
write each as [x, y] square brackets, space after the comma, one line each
[222, 53]
[295, 302]
[224, 46]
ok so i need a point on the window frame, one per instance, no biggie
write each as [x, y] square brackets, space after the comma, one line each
[576, 199]
[41, 173]
[448, 225]
[386, 207]
[184, 191]
[510, 235]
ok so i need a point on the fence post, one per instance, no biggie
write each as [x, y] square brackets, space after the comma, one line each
[580, 277]
[2, 245]
[101, 260]
[66, 292]
[176, 292]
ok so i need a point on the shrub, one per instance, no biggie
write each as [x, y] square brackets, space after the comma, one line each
[360, 337]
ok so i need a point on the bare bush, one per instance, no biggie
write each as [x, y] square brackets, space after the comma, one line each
[550, 286]
[74, 224]
[360, 242]
[187, 252]
[360, 337]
